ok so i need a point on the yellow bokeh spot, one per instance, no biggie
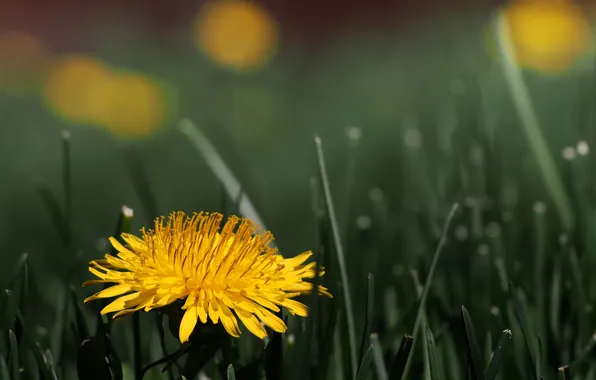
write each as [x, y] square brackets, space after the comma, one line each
[23, 62]
[83, 90]
[236, 33]
[78, 88]
[137, 107]
[548, 35]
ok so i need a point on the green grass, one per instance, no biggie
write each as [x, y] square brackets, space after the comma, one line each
[457, 243]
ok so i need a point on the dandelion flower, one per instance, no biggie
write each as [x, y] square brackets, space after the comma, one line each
[223, 275]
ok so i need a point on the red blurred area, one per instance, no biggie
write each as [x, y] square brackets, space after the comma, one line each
[310, 19]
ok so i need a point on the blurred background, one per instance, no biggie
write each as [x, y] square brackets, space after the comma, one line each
[408, 97]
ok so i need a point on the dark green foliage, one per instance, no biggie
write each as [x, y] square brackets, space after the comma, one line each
[398, 261]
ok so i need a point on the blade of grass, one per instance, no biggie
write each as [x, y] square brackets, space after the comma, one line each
[497, 358]
[340, 257]
[539, 268]
[274, 364]
[67, 185]
[452, 358]
[338, 352]
[4, 369]
[327, 342]
[354, 134]
[14, 356]
[521, 319]
[583, 305]
[218, 166]
[379, 362]
[57, 332]
[58, 218]
[530, 123]
[474, 355]
[138, 355]
[555, 300]
[584, 355]
[8, 310]
[399, 363]
[162, 339]
[20, 288]
[435, 371]
[368, 318]
[429, 277]
[488, 347]
[364, 366]
[81, 322]
[230, 374]
[91, 360]
[46, 372]
[564, 373]
[538, 371]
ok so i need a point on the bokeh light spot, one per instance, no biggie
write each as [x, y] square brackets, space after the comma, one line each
[236, 34]
[23, 63]
[79, 88]
[83, 90]
[548, 36]
[138, 106]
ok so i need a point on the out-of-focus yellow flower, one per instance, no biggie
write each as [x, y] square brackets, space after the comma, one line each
[236, 33]
[137, 106]
[548, 35]
[79, 89]
[221, 275]
[23, 62]
[84, 90]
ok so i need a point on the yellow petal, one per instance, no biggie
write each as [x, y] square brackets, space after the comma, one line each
[295, 307]
[265, 302]
[271, 320]
[297, 260]
[120, 303]
[119, 247]
[201, 306]
[229, 321]
[123, 313]
[94, 282]
[324, 291]
[213, 308]
[188, 323]
[190, 301]
[112, 291]
[252, 323]
[134, 242]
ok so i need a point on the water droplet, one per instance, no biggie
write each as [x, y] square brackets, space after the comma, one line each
[363, 222]
[539, 207]
[583, 149]
[493, 229]
[354, 133]
[376, 194]
[569, 153]
[461, 232]
[413, 138]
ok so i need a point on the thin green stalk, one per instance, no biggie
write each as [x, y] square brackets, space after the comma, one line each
[380, 368]
[539, 269]
[138, 364]
[429, 278]
[66, 182]
[354, 134]
[340, 258]
[531, 126]
[223, 173]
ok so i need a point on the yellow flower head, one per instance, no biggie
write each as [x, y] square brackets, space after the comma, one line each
[548, 35]
[223, 275]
